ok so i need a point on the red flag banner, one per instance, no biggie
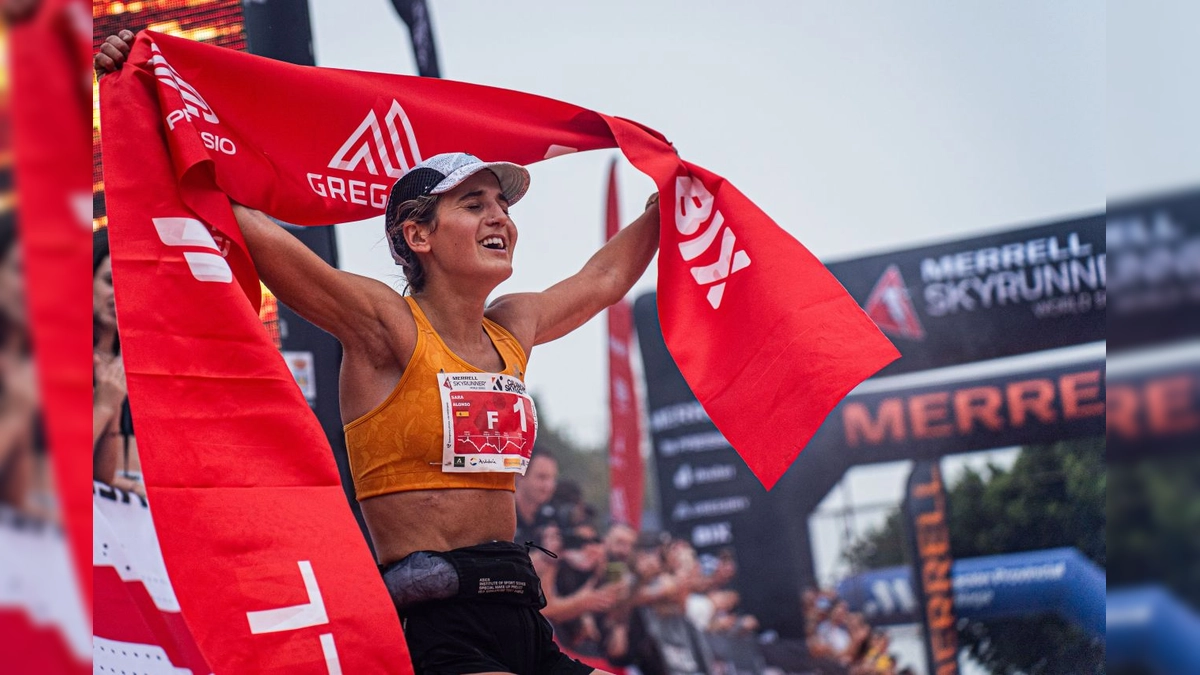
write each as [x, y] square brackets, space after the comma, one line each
[51, 74]
[625, 435]
[767, 338]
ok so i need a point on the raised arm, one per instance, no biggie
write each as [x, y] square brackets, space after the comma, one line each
[537, 318]
[347, 305]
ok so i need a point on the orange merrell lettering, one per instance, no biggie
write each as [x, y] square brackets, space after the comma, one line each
[978, 404]
[933, 538]
[936, 575]
[929, 414]
[1122, 411]
[860, 427]
[1170, 405]
[931, 489]
[1081, 395]
[1031, 396]
[941, 616]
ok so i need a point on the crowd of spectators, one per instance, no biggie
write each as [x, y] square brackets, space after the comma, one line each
[611, 594]
[843, 640]
[607, 592]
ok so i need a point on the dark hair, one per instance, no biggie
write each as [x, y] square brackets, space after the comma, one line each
[8, 232]
[544, 454]
[423, 211]
[99, 248]
[100, 251]
[567, 492]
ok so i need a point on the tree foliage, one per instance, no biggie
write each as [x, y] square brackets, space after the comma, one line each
[1154, 525]
[1052, 496]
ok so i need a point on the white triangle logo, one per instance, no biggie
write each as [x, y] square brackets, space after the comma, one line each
[367, 147]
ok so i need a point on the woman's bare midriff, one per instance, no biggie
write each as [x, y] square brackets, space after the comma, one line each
[437, 520]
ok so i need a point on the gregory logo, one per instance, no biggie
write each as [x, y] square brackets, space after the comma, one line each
[194, 104]
[891, 308]
[386, 150]
[366, 146]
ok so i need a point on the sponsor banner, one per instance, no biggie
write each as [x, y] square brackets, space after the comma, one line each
[1148, 626]
[138, 626]
[415, 14]
[986, 297]
[294, 589]
[625, 432]
[1061, 581]
[1153, 412]
[688, 476]
[701, 480]
[708, 496]
[928, 530]
[1040, 405]
[1155, 270]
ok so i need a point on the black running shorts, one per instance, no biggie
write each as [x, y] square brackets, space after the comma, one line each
[452, 637]
[475, 610]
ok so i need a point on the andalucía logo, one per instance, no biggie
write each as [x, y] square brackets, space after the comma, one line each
[891, 308]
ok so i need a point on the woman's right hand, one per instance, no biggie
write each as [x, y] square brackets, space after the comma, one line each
[113, 52]
[109, 389]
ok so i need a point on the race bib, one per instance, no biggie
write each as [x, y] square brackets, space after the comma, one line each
[489, 423]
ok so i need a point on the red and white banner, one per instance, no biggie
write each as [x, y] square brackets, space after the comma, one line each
[766, 337]
[275, 579]
[42, 621]
[625, 434]
[51, 95]
[137, 627]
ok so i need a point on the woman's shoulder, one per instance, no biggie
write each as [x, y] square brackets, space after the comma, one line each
[512, 314]
[392, 333]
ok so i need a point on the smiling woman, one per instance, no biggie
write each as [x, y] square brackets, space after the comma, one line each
[415, 198]
[432, 391]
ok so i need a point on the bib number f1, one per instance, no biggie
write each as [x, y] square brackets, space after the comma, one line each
[488, 423]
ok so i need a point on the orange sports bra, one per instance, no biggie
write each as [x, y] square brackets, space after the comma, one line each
[398, 446]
